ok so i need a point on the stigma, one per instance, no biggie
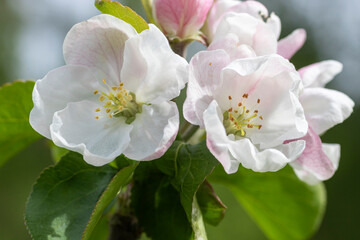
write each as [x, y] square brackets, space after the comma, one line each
[118, 102]
[238, 118]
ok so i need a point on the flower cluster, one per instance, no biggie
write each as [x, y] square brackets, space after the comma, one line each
[114, 94]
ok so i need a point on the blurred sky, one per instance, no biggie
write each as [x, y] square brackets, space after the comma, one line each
[31, 37]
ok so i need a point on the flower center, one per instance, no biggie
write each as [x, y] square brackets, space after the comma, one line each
[119, 102]
[240, 118]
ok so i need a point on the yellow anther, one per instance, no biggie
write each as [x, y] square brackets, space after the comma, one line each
[110, 116]
[97, 110]
[97, 117]
[121, 84]
[108, 103]
[101, 98]
[210, 63]
[96, 92]
[108, 110]
[114, 88]
[104, 81]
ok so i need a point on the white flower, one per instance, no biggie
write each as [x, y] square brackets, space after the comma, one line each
[324, 108]
[248, 108]
[113, 95]
[232, 23]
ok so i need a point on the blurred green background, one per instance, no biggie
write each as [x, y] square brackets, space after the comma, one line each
[31, 36]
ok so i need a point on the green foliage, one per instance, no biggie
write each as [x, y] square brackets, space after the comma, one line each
[68, 199]
[187, 166]
[157, 205]
[122, 12]
[15, 130]
[57, 152]
[282, 205]
[212, 208]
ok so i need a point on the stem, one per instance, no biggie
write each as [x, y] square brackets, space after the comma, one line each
[179, 47]
[189, 132]
[124, 224]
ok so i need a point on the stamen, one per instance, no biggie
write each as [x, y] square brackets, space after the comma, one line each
[101, 98]
[97, 110]
[238, 119]
[96, 92]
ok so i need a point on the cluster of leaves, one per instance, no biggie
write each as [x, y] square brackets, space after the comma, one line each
[170, 198]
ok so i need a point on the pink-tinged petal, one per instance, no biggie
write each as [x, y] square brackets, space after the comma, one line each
[98, 43]
[324, 108]
[221, 8]
[153, 74]
[217, 140]
[249, 31]
[289, 45]
[154, 131]
[99, 140]
[56, 89]
[204, 80]
[282, 114]
[231, 151]
[313, 165]
[181, 18]
[319, 74]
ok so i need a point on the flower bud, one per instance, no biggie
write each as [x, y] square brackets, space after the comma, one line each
[181, 18]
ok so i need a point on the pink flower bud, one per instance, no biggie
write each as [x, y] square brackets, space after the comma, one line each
[181, 18]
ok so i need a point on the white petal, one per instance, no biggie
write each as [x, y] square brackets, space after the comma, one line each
[283, 115]
[217, 140]
[249, 31]
[98, 43]
[230, 151]
[324, 108]
[204, 81]
[274, 23]
[151, 69]
[319, 74]
[289, 45]
[154, 131]
[99, 140]
[233, 47]
[55, 90]
[221, 8]
[332, 151]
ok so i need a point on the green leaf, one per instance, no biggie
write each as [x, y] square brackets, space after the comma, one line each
[122, 12]
[212, 208]
[283, 206]
[57, 152]
[157, 205]
[188, 166]
[15, 130]
[68, 199]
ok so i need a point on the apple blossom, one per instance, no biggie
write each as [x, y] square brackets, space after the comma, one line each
[233, 23]
[248, 108]
[113, 95]
[324, 108]
[181, 18]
